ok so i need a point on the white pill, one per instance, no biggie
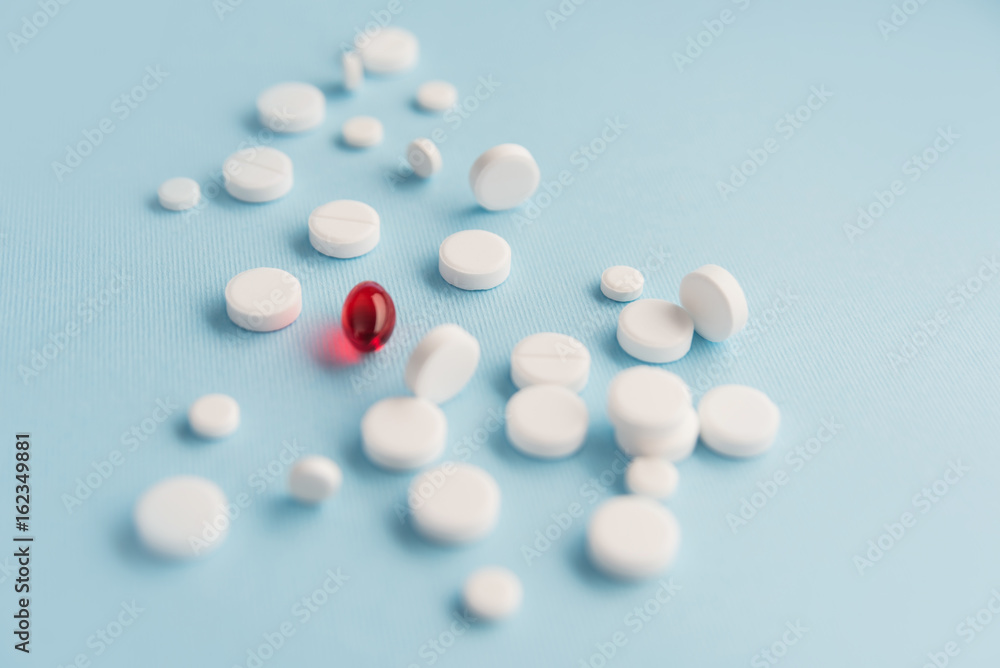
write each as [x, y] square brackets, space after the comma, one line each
[389, 51]
[550, 358]
[654, 477]
[655, 330]
[504, 177]
[214, 416]
[632, 537]
[424, 157]
[474, 260]
[263, 299]
[647, 400]
[492, 593]
[315, 478]
[344, 228]
[547, 421]
[362, 131]
[402, 433]
[715, 301]
[621, 283]
[354, 70]
[454, 503]
[436, 96]
[179, 194]
[182, 517]
[291, 107]
[442, 363]
[672, 444]
[737, 420]
[258, 174]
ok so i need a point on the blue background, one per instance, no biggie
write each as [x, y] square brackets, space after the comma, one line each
[828, 314]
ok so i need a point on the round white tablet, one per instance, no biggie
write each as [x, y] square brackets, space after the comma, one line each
[263, 299]
[621, 283]
[442, 363]
[179, 194]
[402, 433]
[492, 593]
[258, 174]
[344, 228]
[315, 478]
[673, 444]
[182, 517]
[354, 70]
[454, 503]
[632, 537]
[424, 157]
[546, 421]
[291, 107]
[550, 358]
[737, 420]
[214, 416]
[474, 260]
[436, 96]
[389, 51]
[504, 177]
[715, 301]
[362, 131]
[647, 400]
[654, 477]
[655, 330]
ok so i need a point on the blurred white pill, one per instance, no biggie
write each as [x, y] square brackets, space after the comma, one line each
[655, 330]
[401, 433]
[546, 421]
[182, 517]
[179, 194]
[550, 358]
[258, 174]
[388, 51]
[436, 96]
[313, 479]
[353, 69]
[492, 593]
[442, 363]
[423, 157]
[621, 283]
[632, 537]
[647, 400]
[673, 444]
[214, 416]
[344, 228]
[454, 503]
[654, 477]
[362, 131]
[291, 107]
[504, 177]
[737, 420]
[715, 301]
[263, 299]
[474, 260]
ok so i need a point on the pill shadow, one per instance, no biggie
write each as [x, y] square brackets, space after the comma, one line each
[581, 565]
[405, 534]
[334, 91]
[127, 544]
[186, 435]
[432, 277]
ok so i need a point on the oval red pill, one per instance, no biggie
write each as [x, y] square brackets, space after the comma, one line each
[368, 317]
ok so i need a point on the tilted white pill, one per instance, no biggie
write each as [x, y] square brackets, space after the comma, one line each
[354, 70]
[715, 301]
[442, 363]
[504, 177]
[423, 157]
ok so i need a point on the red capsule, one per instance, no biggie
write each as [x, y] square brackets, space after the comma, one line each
[369, 316]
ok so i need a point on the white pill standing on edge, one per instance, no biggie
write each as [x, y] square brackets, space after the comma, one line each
[737, 420]
[492, 593]
[442, 363]
[214, 416]
[454, 503]
[715, 301]
[315, 478]
[621, 283]
[263, 299]
[179, 194]
[647, 400]
[362, 131]
[423, 157]
[655, 331]
[258, 174]
[353, 69]
[291, 107]
[401, 433]
[474, 260]
[436, 96]
[550, 358]
[344, 228]
[632, 537]
[388, 51]
[546, 421]
[654, 477]
[672, 444]
[504, 177]
[182, 517]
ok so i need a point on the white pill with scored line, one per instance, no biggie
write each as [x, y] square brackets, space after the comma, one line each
[291, 107]
[474, 260]
[454, 503]
[655, 330]
[344, 228]
[258, 174]
[550, 358]
[401, 433]
[182, 517]
[263, 299]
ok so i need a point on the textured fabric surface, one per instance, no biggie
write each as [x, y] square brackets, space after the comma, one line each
[878, 339]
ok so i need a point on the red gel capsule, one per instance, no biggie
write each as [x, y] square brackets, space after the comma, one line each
[369, 316]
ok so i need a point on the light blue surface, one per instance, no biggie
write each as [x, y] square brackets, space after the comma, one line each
[841, 310]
